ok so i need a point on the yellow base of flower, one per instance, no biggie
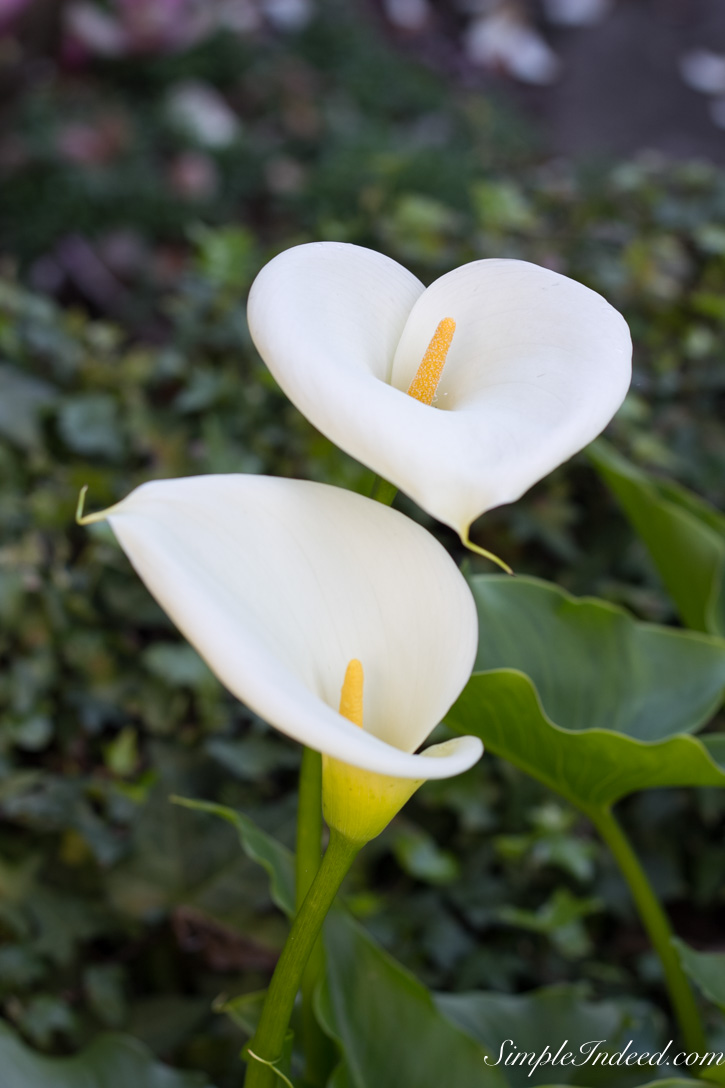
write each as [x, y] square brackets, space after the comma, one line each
[360, 804]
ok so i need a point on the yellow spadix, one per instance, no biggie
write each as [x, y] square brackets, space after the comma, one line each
[428, 375]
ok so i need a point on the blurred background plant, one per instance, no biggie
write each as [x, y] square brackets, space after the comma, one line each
[152, 156]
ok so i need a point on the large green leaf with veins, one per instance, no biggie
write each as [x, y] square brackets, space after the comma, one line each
[684, 535]
[394, 1033]
[588, 700]
[557, 1019]
[390, 1031]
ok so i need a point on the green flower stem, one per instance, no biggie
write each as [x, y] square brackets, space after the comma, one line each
[383, 491]
[658, 927]
[269, 1037]
[309, 824]
[315, 1044]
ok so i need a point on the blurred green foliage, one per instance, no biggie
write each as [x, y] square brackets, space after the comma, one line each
[117, 909]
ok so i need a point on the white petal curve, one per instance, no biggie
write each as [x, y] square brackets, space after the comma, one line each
[538, 366]
[280, 583]
[328, 303]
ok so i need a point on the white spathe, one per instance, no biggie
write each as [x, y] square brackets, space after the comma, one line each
[538, 366]
[280, 583]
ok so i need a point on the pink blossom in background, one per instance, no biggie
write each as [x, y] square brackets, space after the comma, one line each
[137, 27]
[193, 176]
[91, 32]
[94, 143]
[134, 27]
[502, 40]
[9, 12]
[160, 26]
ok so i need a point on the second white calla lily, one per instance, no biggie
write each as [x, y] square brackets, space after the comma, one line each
[535, 366]
[281, 585]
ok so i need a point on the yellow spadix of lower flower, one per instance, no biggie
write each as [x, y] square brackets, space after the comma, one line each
[359, 803]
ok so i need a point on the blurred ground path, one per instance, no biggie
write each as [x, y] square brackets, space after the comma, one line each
[621, 91]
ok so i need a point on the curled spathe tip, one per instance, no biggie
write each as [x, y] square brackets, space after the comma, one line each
[89, 519]
[466, 540]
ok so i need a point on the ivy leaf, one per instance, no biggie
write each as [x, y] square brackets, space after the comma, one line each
[275, 859]
[23, 398]
[111, 1061]
[560, 919]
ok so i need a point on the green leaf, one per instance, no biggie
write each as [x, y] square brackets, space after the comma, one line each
[593, 665]
[676, 1082]
[592, 769]
[180, 858]
[20, 968]
[253, 758]
[23, 398]
[706, 969]
[164, 1022]
[121, 755]
[341, 1078]
[559, 918]
[226, 255]
[553, 841]
[274, 858]
[89, 424]
[386, 1022]
[684, 535]
[111, 1061]
[420, 856]
[46, 1019]
[584, 698]
[104, 987]
[178, 664]
[543, 1021]
[244, 1010]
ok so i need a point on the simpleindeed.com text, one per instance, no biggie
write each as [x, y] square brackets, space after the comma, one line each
[594, 1052]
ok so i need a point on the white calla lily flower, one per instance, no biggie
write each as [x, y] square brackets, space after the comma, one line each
[293, 592]
[511, 368]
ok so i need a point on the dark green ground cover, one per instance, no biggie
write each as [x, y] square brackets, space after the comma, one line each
[117, 909]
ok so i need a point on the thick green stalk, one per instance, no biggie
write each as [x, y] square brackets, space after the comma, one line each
[265, 1049]
[309, 824]
[658, 927]
[315, 1044]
